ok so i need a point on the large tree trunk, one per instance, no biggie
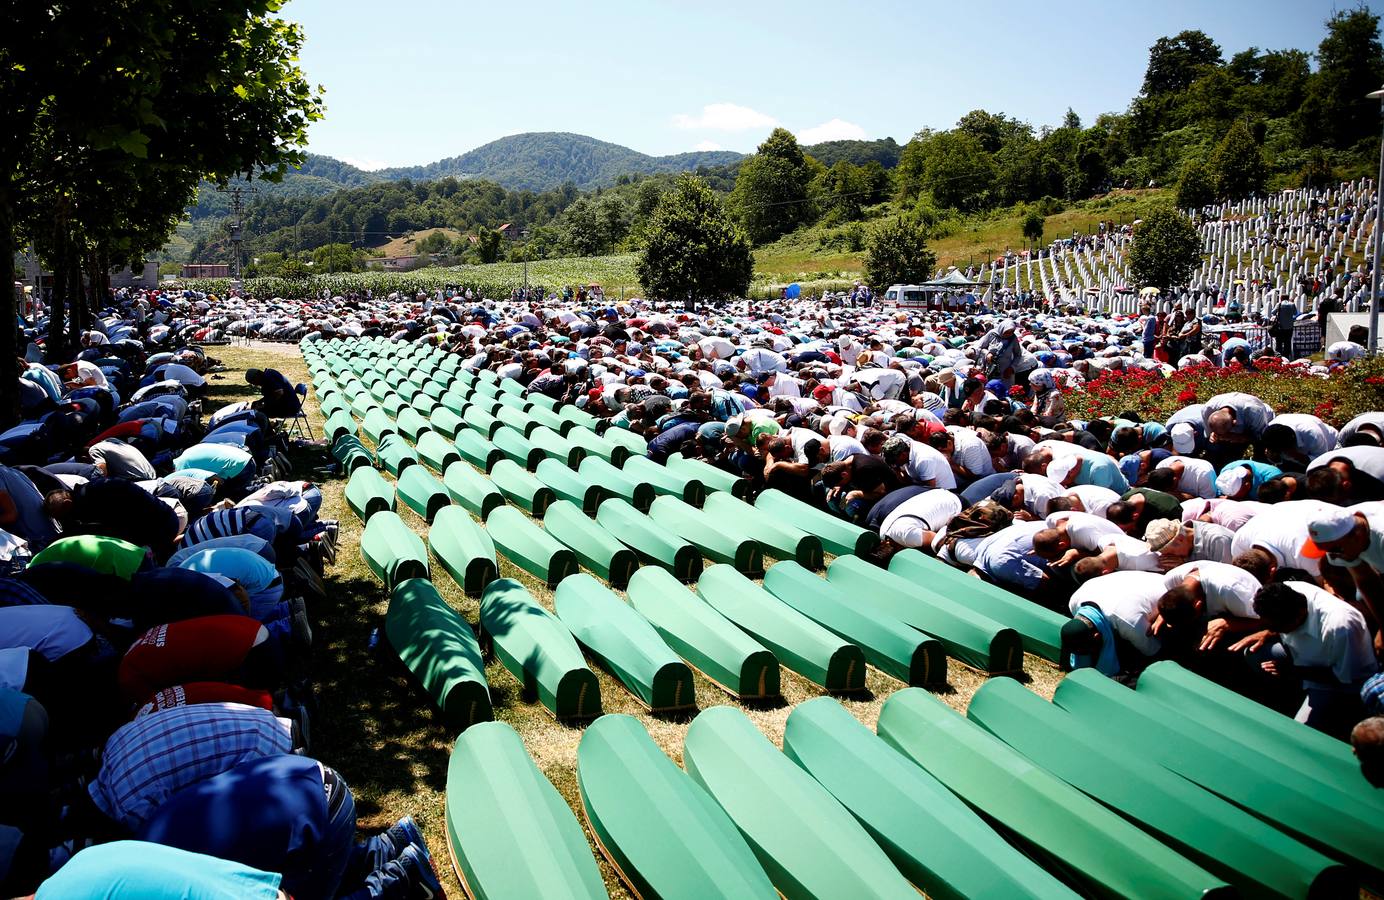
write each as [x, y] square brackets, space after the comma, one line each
[9, 385]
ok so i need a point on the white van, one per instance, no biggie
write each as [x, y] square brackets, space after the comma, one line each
[906, 295]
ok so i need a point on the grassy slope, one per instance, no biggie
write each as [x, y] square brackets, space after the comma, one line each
[381, 732]
[404, 244]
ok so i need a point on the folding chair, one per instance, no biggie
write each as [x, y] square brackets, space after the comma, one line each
[301, 427]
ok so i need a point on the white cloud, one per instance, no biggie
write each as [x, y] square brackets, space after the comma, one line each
[707, 145]
[725, 117]
[835, 130]
[368, 165]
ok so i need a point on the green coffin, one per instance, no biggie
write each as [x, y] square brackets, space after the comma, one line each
[1038, 627]
[838, 536]
[583, 420]
[529, 547]
[367, 493]
[718, 538]
[361, 401]
[936, 840]
[616, 483]
[411, 423]
[799, 643]
[636, 445]
[778, 537]
[626, 644]
[436, 452]
[653, 543]
[486, 387]
[464, 548]
[393, 404]
[441, 651]
[970, 637]
[521, 488]
[888, 644]
[395, 454]
[809, 845]
[1224, 839]
[479, 420]
[510, 386]
[339, 424]
[681, 847]
[1068, 831]
[595, 445]
[715, 479]
[454, 402]
[476, 450]
[538, 650]
[518, 448]
[666, 481]
[446, 423]
[392, 551]
[594, 547]
[510, 832]
[1339, 824]
[543, 402]
[706, 639]
[514, 402]
[434, 390]
[377, 424]
[451, 363]
[549, 419]
[571, 486]
[422, 492]
[472, 490]
[380, 387]
[556, 447]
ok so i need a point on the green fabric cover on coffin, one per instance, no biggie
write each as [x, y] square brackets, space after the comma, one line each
[663, 833]
[367, 493]
[377, 424]
[715, 479]
[838, 536]
[1038, 627]
[1338, 823]
[411, 423]
[1069, 832]
[338, 424]
[799, 643]
[617, 483]
[395, 454]
[650, 541]
[511, 834]
[584, 420]
[478, 451]
[451, 363]
[484, 387]
[1225, 712]
[393, 404]
[538, 650]
[446, 422]
[441, 650]
[510, 386]
[889, 644]
[436, 452]
[809, 845]
[518, 448]
[718, 538]
[555, 446]
[477, 419]
[543, 402]
[596, 548]
[434, 390]
[569, 485]
[422, 492]
[935, 839]
[472, 490]
[595, 445]
[1258, 859]
[351, 453]
[521, 488]
[454, 402]
[422, 404]
[514, 402]
[464, 548]
[626, 644]
[529, 547]
[779, 538]
[974, 639]
[380, 387]
[709, 641]
[549, 419]
[628, 439]
[361, 402]
[667, 481]
[391, 549]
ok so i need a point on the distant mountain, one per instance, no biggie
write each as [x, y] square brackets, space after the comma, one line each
[884, 151]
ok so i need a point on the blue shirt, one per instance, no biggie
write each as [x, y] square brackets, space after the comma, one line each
[125, 869]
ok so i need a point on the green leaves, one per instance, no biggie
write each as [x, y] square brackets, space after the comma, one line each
[897, 253]
[1166, 250]
[693, 250]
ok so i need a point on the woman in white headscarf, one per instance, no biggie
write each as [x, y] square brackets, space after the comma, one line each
[1048, 404]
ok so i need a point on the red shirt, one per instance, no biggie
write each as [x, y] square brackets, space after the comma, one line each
[208, 648]
[204, 692]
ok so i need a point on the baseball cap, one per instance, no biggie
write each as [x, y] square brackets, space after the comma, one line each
[1062, 466]
[1184, 438]
[1229, 482]
[1325, 527]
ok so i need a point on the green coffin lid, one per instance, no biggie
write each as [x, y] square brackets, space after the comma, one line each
[626, 644]
[391, 549]
[595, 445]
[339, 424]
[653, 543]
[510, 386]
[594, 547]
[395, 454]
[543, 402]
[441, 651]
[411, 423]
[436, 452]
[799, 643]
[464, 548]
[550, 419]
[778, 538]
[1039, 627]
[1258, 859]
[809, 845]
[513, 401]
[715, 479]
[663, 833]
[717, 537]
[584, 420]
[377, 424]
[511, 833]
[628, 439]
[667, 481]
[521, 488]
[517, 447]
[481, 421]
[472, 490]
[367, 493]
[393, 404]
[889, 644]
[446, 422]
[1070, 832]
[538, 650]
[707, 640]
[838, 536]
[476, 450]
[555, 446]
[570, 485]
[969, 636]
[936, 840]
[454, 402]
[617, 483]
[422, 492]
[529, 547]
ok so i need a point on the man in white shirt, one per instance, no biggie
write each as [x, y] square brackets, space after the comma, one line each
[919, 463]
[1072, 535]
[1216, 600]
[1117, 609]
[1352, 538]
[1195, 477]
[1091, 498]
[970, 457]
[914, 521]
[1281, 530]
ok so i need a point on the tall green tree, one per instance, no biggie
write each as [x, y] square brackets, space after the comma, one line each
[897, 253]
[1033, 226]
[1166, 250]
[693, 249]
[770, 195]
[1175, 62]
[952, 166]
[1350, 64]
[1196, 187]
[1237, 164]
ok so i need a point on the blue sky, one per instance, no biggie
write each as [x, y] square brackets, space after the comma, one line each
[413, 81]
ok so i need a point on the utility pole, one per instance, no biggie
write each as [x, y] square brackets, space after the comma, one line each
[237, 209]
